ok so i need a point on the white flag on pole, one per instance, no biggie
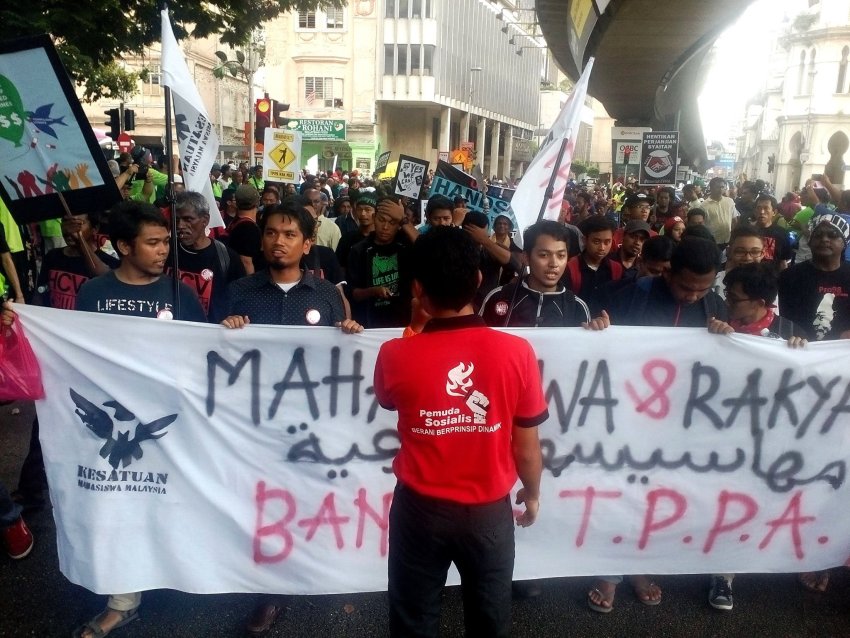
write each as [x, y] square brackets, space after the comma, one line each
[196, 136]
[531, 193]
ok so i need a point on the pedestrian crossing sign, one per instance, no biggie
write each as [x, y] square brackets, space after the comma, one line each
[281, 155]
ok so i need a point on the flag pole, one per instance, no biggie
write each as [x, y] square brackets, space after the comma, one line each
[550, 189]
[169, 196]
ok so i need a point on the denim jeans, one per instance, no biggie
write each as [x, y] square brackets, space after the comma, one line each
[9, 510]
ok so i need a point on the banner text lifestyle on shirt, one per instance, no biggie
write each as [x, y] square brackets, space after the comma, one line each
[207, 460]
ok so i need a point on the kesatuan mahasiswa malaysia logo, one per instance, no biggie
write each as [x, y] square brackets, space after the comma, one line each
[459, 384]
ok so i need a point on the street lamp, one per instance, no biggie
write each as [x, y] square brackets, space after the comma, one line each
[474, 69]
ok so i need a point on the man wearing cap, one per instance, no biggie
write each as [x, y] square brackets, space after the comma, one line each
[244, 234]
[147, 179]
[633, 236]
[720, 211]
[365, 215]
[378, 272]
[637, 206]
[816, 293]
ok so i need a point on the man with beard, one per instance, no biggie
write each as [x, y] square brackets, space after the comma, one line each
[284, 295]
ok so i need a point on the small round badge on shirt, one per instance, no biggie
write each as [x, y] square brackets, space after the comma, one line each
[206, 274]
[313, 316]
[502, 308]
[165, 314]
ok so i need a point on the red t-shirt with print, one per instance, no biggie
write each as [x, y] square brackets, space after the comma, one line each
[459, 388]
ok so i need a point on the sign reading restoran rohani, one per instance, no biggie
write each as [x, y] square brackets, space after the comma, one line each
[319, 130]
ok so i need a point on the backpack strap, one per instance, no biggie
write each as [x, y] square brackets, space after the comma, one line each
[223, 257]
[616, 270]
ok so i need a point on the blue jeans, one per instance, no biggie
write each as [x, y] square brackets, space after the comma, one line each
[9, 510]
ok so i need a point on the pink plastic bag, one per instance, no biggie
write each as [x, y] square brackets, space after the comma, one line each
[20, 376]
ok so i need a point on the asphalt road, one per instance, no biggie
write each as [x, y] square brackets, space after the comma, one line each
[36, 600]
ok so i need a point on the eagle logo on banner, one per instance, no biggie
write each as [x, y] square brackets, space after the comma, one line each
[120, 449]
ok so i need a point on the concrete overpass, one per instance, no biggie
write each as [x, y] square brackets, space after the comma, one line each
[649, 55]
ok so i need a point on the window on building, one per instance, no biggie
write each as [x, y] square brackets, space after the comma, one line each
[842, 71]
[801, 72]
[428, 13]
[402, 60]
[810, 85]
[435, 133]
[323, 92]
[389, 59]
[390, 10]
[415, 59]
[155, 74]
[428, 59]
[403, 9]
[415, 8]
[334, 18]
[306, 19]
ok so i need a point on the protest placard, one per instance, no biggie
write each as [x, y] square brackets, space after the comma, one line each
[410, 176]
[47, 146]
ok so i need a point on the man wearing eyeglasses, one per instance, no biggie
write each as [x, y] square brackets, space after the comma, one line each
[777, 247]
[327, 233]
[746, 246]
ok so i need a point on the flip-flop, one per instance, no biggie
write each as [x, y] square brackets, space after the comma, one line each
[640, 591]
[95, 629]
[600, 608]
[819, 581]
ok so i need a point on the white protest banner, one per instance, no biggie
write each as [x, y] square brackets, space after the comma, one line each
[541, 191]
[202, 459]
[281, 155]
[196, 136]
[409, 176]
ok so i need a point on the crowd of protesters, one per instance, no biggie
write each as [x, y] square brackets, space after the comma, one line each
[340, 250]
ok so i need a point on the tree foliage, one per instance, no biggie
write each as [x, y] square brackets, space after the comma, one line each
[90, 36]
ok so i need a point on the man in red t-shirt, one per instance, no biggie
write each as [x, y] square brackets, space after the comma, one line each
[467, 419]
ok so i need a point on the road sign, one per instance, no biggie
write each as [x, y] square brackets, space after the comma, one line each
[281, 155]
[125, 142]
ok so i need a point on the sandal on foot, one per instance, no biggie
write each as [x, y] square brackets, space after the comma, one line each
[815, 582]
[643, 590]
[97, 631]
[601, 607]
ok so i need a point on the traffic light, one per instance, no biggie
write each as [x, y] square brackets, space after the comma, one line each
[129, 120]
[279, 109]
[262, 118]
[114, 123]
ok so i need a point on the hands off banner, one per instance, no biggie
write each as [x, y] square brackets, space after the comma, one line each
[452, 182]
[257, 460]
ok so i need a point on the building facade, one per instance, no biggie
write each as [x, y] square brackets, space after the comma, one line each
[797, 125]
[414, 77]
[226, 99]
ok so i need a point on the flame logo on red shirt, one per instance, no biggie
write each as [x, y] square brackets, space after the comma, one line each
[458, 382]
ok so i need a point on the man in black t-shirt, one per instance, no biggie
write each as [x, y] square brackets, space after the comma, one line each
[379, 273]
[205, 264]
[243, 235]
[65, 270]
[137, 288]
[777, 247]
[815, 294]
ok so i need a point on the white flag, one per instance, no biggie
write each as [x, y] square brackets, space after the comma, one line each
[196, 136]
[530, 195]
